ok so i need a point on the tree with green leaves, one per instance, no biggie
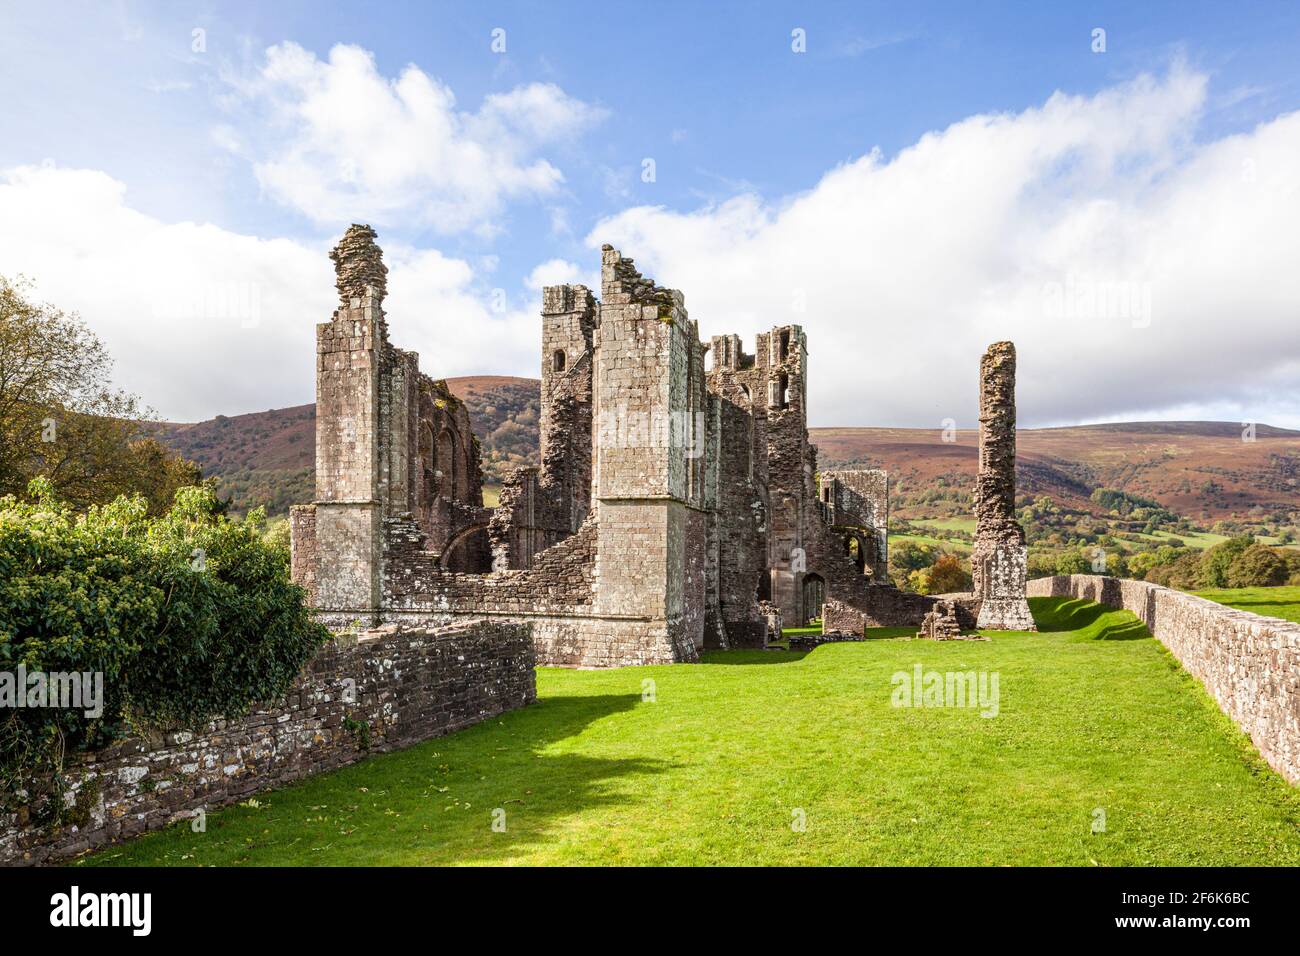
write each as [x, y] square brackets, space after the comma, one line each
[61, 417]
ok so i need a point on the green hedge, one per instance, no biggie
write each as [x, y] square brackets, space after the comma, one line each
[188, 616]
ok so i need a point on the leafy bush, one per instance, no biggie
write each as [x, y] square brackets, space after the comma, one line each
[947, 575]
[73, 598]
[188, 616]
[1257, 566]
[1218, 559]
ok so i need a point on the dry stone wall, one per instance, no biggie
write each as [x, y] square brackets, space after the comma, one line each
[384, 690]
[1250, 664]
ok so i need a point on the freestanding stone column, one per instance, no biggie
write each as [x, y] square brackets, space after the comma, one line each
[999, 557]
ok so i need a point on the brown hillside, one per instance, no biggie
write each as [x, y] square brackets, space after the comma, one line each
[1202, 470]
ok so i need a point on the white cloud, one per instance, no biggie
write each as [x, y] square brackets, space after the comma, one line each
[1042, 227]
[201, 320]
[340, 142]
[561, 272]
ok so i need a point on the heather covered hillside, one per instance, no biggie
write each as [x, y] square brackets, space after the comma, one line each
[267, 458]
[1200, 471]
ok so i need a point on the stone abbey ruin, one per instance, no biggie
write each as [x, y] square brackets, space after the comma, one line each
[675, 509]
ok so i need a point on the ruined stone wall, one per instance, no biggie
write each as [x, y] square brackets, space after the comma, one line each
[347, 455]
[780, 541]
[541, 506]
[568, 332]
[647, 479]
[416, 588]
[739, 520]
[1247, 662]
[766, 493]
[383, 691]
[557, 596]
[856, 503]
[781, 355]
[446, 499]
[302, 548]
[390, 441]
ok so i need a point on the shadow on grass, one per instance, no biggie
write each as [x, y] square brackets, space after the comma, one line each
[434, 802]
[1057, 614]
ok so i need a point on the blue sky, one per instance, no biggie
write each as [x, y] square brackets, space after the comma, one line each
[222, 159]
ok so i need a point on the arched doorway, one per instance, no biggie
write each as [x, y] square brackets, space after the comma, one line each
[469, 551]
[814, 596]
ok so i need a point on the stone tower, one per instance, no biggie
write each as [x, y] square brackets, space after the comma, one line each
[568, 365]
[348, 515]
[999, 557]
[648, 480]
[782, 354]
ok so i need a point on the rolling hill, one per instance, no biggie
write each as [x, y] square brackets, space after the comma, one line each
[1202, 470]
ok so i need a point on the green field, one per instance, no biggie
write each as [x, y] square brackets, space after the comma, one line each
[1194, 539]
[948, 524]
[1283, 602]
[1093, 716]
[956, 547]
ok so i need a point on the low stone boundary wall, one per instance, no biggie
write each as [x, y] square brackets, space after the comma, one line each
[1250, 664]
[384, 690]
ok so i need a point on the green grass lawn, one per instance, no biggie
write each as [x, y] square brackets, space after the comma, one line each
[1092, 715]
[947, 524]
[957, 547]
[1193, 539]
[1283, 602]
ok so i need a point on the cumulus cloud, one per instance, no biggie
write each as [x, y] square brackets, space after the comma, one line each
[561, 272]
[339, 141]
[1140, 270]
[202, 320]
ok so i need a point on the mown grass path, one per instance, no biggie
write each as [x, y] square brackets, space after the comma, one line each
[1092, 715]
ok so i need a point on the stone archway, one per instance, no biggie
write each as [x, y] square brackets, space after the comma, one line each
[468, 551]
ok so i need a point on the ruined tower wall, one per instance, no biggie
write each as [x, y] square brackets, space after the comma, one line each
[650, 532]
[740, 519]
[781, 355]
[857, 501]
[348, 511]
[541, 506]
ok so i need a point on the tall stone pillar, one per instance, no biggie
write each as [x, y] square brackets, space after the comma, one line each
[999, 557]
[348, 509]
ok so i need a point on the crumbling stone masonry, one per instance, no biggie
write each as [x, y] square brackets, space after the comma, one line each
[674, 509]
[394, 451]
[943, 623]
[999, 556]
[813, 546]
[378, 691]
